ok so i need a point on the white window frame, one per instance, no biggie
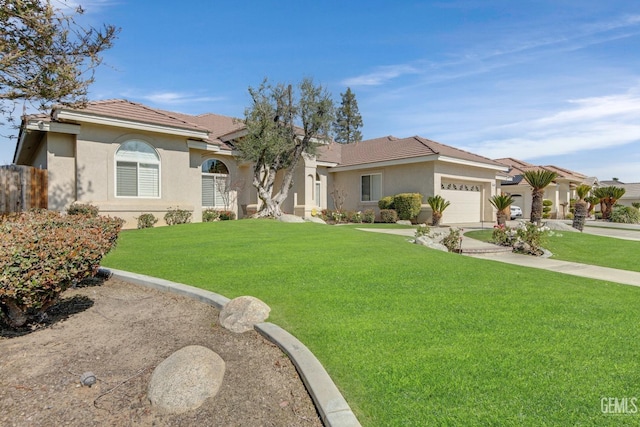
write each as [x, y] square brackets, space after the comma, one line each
[372, 194]
[138, 162]
[216, 177]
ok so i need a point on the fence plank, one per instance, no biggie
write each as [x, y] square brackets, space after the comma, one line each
[22, 188]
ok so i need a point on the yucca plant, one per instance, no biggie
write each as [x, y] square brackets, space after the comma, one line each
[608, 197]
[580, 210]
[502, 202]
[438, 205]
[538, 180]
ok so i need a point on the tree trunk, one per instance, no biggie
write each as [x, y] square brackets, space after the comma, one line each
[15, 317]
[536, 206]
[579, 214]
[435, 219]
[501, 217]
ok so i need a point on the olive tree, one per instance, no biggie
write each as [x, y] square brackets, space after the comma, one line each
[283, 125]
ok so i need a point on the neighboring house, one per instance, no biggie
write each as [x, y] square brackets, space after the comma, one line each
[560, 191]
[127, 159]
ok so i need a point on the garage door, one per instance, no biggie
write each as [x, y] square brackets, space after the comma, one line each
[465, 201]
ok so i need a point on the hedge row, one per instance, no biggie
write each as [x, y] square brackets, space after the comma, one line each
[42, 253]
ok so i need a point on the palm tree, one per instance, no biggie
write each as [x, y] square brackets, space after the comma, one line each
[580, 210]
[502, 202]
[538, 180]
[608, 197]
[438, 205]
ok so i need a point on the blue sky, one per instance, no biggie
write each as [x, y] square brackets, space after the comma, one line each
[549, 82]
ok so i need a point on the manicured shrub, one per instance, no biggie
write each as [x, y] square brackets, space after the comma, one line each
[546, 208]
[526, 238]
[42, 253]
[83, 209]
[625, 215]
[355, 217]
[146, 220]
[388, 215]
[386, 202]
[453, 240]
[227, 215]
[210, 215]
[407, 205]
[177, 216]
[369, 216]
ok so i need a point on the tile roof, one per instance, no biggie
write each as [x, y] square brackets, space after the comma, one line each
[389, 148]
[216, 124]
[519, 167]
[127, 110]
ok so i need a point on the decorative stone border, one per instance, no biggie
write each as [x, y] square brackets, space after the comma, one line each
[332, 407]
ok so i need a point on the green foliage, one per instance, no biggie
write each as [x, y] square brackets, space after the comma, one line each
[546, 208]
[348, 120]
[369, 216]
[608, 196]
[210, 215]
[177, 216]
[83, 209]
[282, 125]
[407, 205]
[353, 216]
[636, 205]
[625, 214]
[501, 201]
[582, 191]
[146, 220]
[547, 203]
[388, 215]
[47, 57]
[453, 240]
[422, 230]
[539, 180]
[227, 215]
[526, 237]
[386, 202]
[438, 205]
[42, 253]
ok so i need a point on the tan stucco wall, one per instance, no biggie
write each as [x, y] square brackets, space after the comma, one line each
[61, 165]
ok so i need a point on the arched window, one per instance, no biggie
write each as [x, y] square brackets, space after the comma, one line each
[137, 170]
[215, 184]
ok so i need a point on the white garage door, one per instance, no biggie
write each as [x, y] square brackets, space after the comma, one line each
[465, 201]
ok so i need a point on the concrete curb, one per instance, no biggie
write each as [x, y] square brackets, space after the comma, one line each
[332, 407]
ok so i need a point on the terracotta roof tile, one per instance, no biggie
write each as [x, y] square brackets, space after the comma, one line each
[127, 110]
[390, 148]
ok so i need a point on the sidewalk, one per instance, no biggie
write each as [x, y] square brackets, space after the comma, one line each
[478, 249]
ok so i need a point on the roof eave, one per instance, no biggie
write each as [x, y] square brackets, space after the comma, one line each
[84, 117]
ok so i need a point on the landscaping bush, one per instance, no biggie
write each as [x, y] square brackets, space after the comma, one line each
[369, 216]
[177, 216]
[636, 205]
[526, 238]
[146, 220]
[226, 215]
[546, 208]
[42, 253]
[407, 205]
[625, 215]
[422, 230]
[386, 203]
[453, 240]
[83, 209]
[388, 215]
[210, 215]
[355, 217]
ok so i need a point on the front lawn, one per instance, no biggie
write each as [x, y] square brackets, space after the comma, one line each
[414, 336]
[585, 248]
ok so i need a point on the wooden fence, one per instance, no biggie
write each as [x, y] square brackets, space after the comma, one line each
[22, 188]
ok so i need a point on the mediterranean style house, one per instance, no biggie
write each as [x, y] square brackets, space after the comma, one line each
[128, 159]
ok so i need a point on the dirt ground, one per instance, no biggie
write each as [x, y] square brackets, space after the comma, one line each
[121, 332]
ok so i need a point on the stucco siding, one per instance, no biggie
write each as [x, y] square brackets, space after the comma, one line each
[61, 165]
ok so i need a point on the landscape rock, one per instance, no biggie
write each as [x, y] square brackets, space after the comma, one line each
[403, 222]
[187, 378]
[559, 226]
[240, 314]
[430, 243]
[290, 218]
[315, 219]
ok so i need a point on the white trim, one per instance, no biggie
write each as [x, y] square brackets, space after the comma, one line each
[421, 159]
[201, 145]
[42, 126]
[115, 172]
[472, 163]
[130, 124]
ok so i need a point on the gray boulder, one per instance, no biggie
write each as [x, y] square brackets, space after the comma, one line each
[403, 222]
[186, 379]
[290, 218]
[240, 314]
[315, 219]
[430, 243]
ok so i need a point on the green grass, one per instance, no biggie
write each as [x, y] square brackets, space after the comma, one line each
[586, 248]
[414, 336]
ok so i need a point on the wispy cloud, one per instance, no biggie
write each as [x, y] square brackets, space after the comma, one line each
[589, 124]
[381, 75]
[177, 98]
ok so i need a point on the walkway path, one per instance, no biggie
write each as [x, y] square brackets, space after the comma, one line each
[489, 251]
